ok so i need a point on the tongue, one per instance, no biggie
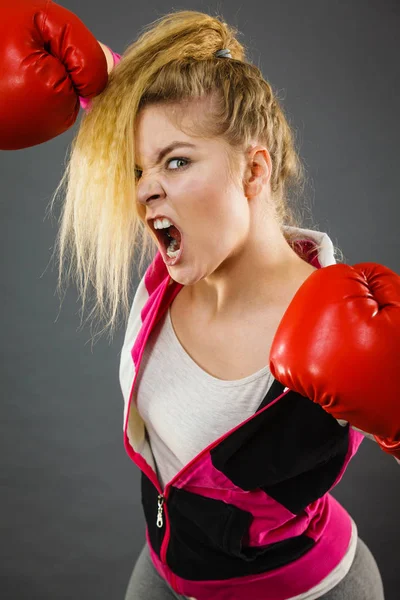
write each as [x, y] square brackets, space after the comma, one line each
[175, 233]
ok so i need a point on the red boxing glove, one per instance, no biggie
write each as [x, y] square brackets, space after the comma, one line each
[338, 344]
[48, 58]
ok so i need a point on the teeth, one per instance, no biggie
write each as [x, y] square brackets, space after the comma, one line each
[170, 250]
[162, 223]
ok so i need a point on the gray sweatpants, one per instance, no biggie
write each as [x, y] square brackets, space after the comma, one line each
[362, 582]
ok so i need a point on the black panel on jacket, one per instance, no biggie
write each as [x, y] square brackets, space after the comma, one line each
[294, 450]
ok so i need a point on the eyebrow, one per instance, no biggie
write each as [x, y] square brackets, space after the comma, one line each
[168, 149]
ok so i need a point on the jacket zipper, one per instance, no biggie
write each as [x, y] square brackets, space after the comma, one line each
[160, 521]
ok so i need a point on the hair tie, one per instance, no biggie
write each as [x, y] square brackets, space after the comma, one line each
[224, 53]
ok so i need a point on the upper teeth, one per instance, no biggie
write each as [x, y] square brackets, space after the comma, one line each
[162, 223]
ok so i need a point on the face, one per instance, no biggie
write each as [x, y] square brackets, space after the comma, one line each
[193, 187]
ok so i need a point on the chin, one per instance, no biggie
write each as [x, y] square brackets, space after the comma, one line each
[186, 275]
[183, 279]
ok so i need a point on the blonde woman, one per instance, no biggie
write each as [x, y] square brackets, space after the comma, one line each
[250, 355]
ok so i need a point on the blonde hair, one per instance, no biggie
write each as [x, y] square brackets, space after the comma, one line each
[102, 225]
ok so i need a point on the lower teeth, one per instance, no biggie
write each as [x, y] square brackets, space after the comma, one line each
[170, 251]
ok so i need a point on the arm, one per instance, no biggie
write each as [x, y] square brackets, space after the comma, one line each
[109, 57]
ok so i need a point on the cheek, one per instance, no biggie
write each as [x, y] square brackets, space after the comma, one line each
[213, 207]
[223, 226]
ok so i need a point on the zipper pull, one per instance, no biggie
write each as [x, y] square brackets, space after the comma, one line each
[159, 513]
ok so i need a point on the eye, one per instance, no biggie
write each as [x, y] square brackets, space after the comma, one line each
[185, 160]
[138, 172]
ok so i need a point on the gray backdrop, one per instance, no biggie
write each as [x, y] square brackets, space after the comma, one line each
[71, 517]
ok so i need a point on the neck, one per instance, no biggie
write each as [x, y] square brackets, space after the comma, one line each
[261, 274]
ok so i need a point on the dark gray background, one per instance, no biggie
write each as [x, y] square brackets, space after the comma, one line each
[71, 517]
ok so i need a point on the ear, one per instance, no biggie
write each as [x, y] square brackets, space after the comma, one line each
[258, 171]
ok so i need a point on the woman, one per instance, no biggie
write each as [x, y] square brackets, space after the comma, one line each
[239, 409]
[236, 470]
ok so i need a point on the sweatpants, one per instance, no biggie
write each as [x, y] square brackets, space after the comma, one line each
[362, 582]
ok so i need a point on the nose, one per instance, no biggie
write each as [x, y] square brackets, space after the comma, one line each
[149, 190]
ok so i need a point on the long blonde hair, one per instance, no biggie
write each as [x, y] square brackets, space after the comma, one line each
[102, 228]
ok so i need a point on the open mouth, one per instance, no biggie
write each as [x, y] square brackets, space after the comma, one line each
[170, 238]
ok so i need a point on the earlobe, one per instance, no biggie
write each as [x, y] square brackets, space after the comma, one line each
[252, 188]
